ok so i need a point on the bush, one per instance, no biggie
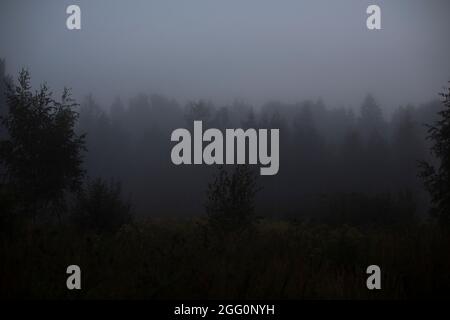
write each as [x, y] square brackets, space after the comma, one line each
[99, 207]
[365, 209]
[230, 200]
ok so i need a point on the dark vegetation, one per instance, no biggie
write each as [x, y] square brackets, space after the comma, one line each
[41, 154]
[437, 178]
[347, 196]
[278, 259]
[230, 205]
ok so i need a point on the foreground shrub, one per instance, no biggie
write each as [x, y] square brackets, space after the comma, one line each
[230, 204]
[366, 209]
[100, 208]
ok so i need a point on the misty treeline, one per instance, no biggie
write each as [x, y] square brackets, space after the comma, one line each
[333, 160]
[337, 164]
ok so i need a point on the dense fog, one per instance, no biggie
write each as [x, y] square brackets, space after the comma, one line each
[253, 50]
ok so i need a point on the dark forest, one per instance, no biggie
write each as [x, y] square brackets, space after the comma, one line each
[93, 184]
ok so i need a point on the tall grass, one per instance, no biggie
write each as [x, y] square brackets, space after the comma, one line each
[276, 259]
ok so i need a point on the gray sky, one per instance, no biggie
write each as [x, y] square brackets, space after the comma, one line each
[256, 50]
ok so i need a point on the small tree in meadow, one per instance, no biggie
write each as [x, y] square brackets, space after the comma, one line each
[230, 204]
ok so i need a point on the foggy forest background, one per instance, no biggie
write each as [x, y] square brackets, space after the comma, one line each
[87, 178]
[331, 157]
[347, 190]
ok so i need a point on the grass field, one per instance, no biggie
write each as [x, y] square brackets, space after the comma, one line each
[182, 259]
